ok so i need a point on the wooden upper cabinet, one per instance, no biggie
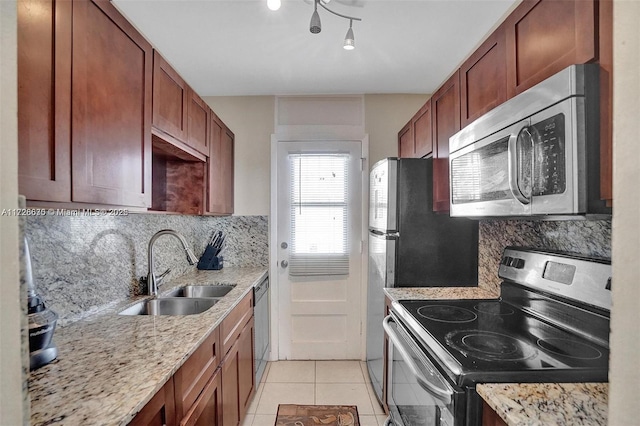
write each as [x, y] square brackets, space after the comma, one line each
[170, 99]
[221, 169]
[445, 104]
[605, 59]
[483, 78]
[44, 99]
[414, 140]
[199, 123]
[422, 138]
[406, 146]
[544, 37]
[111, 108]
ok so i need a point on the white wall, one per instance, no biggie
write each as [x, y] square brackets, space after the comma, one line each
[624, 365]
[384, 116]
[13, 410]
[251, 118]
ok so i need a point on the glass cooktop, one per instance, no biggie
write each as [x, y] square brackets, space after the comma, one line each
[491, 340]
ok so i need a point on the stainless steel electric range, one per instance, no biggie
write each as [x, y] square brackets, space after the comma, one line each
[550, 324]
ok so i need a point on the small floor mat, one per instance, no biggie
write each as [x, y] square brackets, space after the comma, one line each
[317, 415]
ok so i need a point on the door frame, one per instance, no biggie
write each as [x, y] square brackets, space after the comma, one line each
[273, 235]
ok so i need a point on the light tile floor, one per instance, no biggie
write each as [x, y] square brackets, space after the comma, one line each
[314, 382]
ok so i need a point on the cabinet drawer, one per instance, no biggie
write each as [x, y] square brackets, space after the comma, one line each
[192, 377]
[233, 324]
[207, 409]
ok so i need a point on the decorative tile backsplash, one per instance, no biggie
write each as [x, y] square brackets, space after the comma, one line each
[584, 237]
[82, 264]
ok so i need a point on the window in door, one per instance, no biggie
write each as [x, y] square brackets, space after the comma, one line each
[319, 229]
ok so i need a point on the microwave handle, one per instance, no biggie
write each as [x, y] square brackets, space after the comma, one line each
[513, 167]
[440, 393]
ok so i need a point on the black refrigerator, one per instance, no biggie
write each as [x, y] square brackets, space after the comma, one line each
[410, 245]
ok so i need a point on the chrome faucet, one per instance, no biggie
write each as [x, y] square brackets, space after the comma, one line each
[154, 281]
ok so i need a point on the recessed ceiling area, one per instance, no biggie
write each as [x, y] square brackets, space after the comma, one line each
[240, 47]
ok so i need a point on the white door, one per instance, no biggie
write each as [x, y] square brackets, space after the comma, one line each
[319, 246]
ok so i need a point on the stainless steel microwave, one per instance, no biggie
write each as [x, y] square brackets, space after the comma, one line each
[535, 155]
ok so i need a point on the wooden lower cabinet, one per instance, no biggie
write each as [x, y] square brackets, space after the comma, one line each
[238, 379]
[207, 410]
[230, 400]
[490, 417]
[246, 373]
[160, 410]
[193, 378]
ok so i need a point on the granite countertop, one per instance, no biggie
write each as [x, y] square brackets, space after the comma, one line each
[538, 404]
[109, 366]
[417, 293]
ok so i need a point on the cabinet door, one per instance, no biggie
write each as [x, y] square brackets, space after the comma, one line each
[111, 105]
[159, 411]
[170, 99]
[405, 141]
[207, 410]
[220, 168]
[546, 36]
[235, 322]
[246, 373]
[446, 122]
[199, 123]
[44, 99]
[230, 398]
[195, 373]
[483, 78]
[605, 58]
[490, 417]
[422, 138]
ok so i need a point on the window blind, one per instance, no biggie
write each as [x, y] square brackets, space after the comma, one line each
[319, 211]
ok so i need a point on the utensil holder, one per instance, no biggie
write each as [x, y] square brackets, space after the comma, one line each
[210, 260]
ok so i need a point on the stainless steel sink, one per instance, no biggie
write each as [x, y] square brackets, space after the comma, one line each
[171, 306]
[201, 291]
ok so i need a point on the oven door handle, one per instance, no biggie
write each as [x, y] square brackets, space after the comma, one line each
[442, 394]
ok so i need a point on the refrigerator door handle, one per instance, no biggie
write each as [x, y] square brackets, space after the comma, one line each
[384, 235]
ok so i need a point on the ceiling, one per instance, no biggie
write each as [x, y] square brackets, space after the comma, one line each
[240, 47]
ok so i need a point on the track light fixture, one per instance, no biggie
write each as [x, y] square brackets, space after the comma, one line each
[315, 25]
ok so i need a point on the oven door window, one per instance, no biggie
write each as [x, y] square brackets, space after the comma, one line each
[418, 394]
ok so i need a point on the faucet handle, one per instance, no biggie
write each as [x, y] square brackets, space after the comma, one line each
[162, 275]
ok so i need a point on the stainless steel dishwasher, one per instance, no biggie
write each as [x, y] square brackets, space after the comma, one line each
[262, 328]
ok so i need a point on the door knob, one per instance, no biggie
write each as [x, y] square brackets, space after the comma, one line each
[284, 263]
[284, 245]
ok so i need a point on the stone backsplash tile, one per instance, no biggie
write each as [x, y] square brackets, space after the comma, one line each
[82, 264]
[584, 237]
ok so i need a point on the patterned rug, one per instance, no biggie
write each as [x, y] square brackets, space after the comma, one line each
[317, 415]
